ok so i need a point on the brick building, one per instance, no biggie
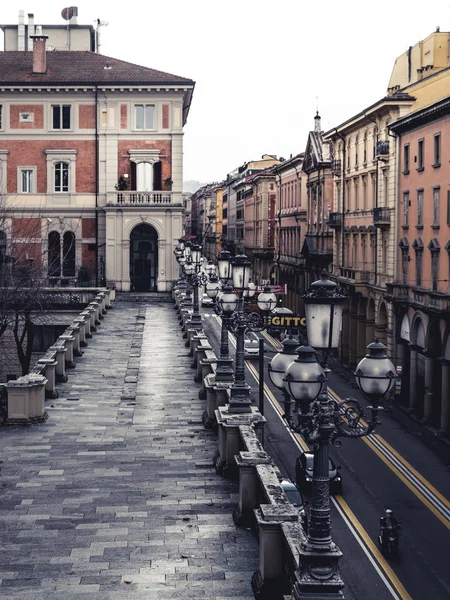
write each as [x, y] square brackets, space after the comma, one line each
[91, 157]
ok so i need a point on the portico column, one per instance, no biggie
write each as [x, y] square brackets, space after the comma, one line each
[413, 379]
[429, 387]
[445, 398]
[126, 264]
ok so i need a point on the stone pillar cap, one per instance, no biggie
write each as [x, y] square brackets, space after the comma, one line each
[58, 348]
[47, 361]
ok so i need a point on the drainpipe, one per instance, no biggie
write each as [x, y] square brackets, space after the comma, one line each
[97, 167]
[375, 266]
[344, 155]
[278, 216]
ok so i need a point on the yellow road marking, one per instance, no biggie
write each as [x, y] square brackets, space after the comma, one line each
[373, 549]
[400, 475]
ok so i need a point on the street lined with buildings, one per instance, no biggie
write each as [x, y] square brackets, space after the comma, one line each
[391, 469]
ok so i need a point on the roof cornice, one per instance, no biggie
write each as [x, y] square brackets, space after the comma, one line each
[422, 117]
[387, 101]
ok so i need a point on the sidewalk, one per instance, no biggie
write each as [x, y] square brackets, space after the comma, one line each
[116, 496]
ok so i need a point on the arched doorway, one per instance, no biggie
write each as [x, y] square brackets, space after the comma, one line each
[143, 258]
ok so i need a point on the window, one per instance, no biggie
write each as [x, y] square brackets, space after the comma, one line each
[420, 148]
[437, 150]
[356, 152]
[419, 208]
[434, 248]
[145, 116]
[406, 159]
[61, 177]
[68, 258]
[1, 123]
[448, 208]
[404, 248]
[365, 149]
[26, 181]
[405, 208]
[61, 116]
[436, 194]
[61, 254]
[418, 248]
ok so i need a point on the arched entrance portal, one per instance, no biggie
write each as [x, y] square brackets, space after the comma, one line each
[143, 258]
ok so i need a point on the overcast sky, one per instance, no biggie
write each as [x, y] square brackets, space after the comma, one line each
[261, 67]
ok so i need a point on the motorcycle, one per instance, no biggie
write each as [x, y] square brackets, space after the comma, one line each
[388, 541]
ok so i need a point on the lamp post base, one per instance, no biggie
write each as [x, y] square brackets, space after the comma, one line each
[318, 577]
[224, 370]
[240, 401]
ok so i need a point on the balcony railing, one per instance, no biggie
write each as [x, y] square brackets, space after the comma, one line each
[141, 198]
[336, 166]
[382, 149]
[382, 217]
[335, 220]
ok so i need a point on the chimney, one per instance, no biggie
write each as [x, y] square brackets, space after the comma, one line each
[30, 30]
[39, 52]
[317, 123]
[21, 31]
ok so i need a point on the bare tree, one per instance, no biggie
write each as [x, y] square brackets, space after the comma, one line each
[26, 261]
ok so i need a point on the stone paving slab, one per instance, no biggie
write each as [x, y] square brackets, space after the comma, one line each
[116, 496]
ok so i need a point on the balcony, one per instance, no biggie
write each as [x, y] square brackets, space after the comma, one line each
[134, 198]
[382, 217]
[382, 150]
[335, 220]
[336, 167]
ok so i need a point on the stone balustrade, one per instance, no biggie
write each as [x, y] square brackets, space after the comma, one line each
[263, 504]
[25, 396]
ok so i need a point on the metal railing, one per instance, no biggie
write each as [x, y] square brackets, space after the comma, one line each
[144, 198]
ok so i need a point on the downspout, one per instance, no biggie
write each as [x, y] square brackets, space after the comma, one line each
[278, 216]
[97, 168]
[375, 266]
[344, 155]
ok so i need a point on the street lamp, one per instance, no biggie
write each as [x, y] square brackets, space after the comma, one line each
[320, 420]
[196, 278]
[239, 323]
[277, 367]
[215, 289]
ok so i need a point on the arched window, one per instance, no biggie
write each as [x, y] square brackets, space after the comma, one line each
[54, 254]
[418, 248]
[61, 254]
[61, 177]
[68, 266]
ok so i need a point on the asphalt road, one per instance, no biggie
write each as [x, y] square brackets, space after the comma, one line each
[392, 469]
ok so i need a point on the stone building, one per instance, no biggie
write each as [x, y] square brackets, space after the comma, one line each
[318, 241]
[365, 166]
[91, 148]
[421, 290]
[290, 228]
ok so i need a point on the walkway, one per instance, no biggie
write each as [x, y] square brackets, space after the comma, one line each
[115, 496]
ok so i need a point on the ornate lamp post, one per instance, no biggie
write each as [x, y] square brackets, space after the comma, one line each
[224, 370]
[320, 420]
[196, 277]
[239, 323]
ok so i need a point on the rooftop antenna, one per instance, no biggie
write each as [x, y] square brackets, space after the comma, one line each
[99, 24]
[68, 14]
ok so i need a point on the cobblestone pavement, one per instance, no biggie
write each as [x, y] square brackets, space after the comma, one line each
[115, 496]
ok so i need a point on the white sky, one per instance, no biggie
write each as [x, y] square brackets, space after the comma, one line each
[260, 66]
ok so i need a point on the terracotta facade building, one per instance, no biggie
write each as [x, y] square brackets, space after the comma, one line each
[421, 291]
[92, 148]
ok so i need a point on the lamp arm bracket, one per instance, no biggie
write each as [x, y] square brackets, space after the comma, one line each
[347, 417]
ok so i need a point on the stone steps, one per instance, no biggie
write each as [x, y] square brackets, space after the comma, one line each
[148, 297]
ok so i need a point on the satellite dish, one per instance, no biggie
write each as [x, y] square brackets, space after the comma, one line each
[68, 13]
